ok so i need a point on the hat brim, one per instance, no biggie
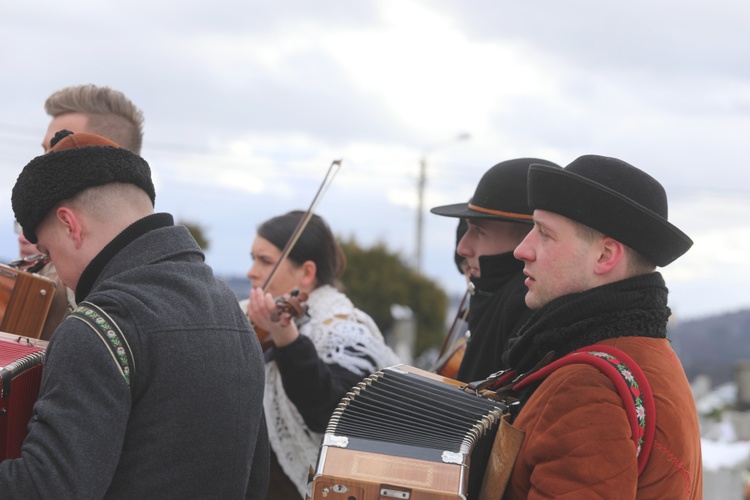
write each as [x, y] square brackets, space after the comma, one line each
[599, 207]
[463, 211]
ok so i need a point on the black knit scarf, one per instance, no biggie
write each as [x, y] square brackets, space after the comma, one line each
[632, 307]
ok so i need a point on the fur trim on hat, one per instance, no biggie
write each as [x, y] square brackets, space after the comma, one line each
[75, 163]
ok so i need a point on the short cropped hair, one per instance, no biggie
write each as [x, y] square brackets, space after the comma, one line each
[110, 113]
[637, 263]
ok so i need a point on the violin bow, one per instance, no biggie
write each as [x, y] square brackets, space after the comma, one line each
[324, 185]
[461, 314]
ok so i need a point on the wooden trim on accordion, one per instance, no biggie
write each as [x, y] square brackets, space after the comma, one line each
[25, 300]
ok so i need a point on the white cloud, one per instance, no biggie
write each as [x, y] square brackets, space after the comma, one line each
[247, 104]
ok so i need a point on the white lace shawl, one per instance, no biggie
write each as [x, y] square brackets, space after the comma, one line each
[342, 335]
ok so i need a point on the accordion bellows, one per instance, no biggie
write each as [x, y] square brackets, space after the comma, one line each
[406, 433]
[21, 362]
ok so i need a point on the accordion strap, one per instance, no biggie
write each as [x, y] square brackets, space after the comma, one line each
[631, 385]
[110, 334]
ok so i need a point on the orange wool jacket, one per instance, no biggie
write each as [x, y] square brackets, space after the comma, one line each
[578, 441]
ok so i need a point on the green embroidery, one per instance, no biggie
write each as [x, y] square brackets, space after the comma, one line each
[635, 392]
[112, 336]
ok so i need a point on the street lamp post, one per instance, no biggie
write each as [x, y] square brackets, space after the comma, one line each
[420, 195]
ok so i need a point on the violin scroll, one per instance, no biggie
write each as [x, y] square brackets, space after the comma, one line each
[293, 307]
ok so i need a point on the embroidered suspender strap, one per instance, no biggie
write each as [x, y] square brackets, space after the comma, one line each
[630, 382]
[110, 334]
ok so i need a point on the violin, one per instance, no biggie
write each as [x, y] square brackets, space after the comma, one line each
[454, 346]
[294, 305]
[448, 364]
[32, 263]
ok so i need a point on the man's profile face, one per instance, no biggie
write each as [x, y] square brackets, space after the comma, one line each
[557, 260]
[75, 122]
[488, 237]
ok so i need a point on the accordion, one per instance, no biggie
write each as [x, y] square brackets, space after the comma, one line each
[21, 362]
[25, 300]
[406, 433]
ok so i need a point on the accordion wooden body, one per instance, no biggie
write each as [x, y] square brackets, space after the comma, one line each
[21, 361]
[25, 300]
[409, 434]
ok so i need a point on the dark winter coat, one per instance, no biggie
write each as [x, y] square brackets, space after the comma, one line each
[189, 425]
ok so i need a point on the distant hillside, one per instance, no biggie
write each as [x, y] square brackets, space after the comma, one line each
[712, 345]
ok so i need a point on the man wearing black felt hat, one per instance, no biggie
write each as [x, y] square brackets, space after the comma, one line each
[600, 230]
[153, 386]
[498, 217]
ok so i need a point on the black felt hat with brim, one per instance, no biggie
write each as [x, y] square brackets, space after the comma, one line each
[616, 199]
[500, 194]
[74, 163]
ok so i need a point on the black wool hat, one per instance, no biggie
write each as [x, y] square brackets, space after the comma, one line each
[500, 194]
[74, 163]
[616, 199]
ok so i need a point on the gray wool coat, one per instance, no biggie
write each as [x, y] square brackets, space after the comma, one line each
[190, 422]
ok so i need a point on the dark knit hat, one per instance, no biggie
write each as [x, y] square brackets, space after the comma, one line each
[74, 163]
[616, 199]
[500, 194]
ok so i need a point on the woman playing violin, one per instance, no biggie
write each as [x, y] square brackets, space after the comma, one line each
[316, 359]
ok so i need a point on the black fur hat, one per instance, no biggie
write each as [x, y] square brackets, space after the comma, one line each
[614, 198]
[74, 163]
[500, 194]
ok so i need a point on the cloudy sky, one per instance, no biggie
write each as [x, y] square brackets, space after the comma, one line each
[247, 103]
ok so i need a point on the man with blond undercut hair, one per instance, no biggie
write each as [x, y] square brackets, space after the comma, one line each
[96, 110]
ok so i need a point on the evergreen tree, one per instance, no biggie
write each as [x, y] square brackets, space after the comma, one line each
[197, 232]
[376, 278]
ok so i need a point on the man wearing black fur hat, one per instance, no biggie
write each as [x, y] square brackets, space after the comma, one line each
[600, 230]
[92, 109]
[153, 386]
[498, 217]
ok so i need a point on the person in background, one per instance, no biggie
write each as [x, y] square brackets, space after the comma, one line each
[96, 110]
[153, 386]
[452, 352]
[91, 109]
[600, 230]
[498, 217]
[317, 358]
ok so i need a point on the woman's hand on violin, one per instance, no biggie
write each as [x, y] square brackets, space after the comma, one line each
[263, 311]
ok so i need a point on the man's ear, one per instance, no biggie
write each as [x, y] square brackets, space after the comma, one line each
[71, 225]
[611, 252]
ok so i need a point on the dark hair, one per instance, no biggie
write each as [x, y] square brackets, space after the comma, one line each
[461, 229]
[316, 243]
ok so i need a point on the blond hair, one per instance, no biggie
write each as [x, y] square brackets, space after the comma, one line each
[637, 263]
[110, 113]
